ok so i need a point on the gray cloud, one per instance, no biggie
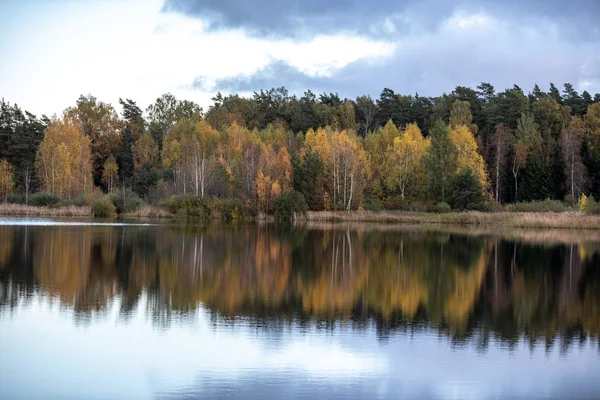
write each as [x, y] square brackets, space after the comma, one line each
[578, 20]
[497, 52]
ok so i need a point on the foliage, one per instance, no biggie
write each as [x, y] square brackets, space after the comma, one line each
[6, 179]
[441, 161]
[443, 208]
[63, 160]
[110, 173]
[103, 207]
[145, 180]
[393, 152]
[125, 201]
[539, 206]
[190, 206]
[44, 199]
[467, 191]
[289, 204]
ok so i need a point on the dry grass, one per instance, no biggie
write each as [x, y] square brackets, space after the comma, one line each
[23, 210]
[147, 211]
[565, 220]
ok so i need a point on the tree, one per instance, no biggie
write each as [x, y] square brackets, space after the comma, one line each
[441, 161]
[6, 179]
[527, 137]
[499, 146]
[409, 149]
[467, 191]
[63, 160]
[467, 154]
[461, 115]
[570, 146]
[100, 123]
[145, 152]
[366, 110]
[110, 173]
[134, 126]
[379, 146]
[346, 116]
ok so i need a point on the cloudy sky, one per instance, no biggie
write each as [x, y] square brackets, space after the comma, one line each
[54, 50]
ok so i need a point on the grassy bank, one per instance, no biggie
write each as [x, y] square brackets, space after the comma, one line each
[21, 210]
[565, 220]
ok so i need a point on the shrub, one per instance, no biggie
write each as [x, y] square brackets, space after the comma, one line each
[591, 206]
[126, 201]
[188, 205]
[443, 207]
[230, 209]
[43, 200]
[288, 204]
[492, 206]
[422, 206]
[539, 206]
[103, 207]
[13, 198]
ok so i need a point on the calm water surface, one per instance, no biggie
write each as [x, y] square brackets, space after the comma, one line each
[320, 311]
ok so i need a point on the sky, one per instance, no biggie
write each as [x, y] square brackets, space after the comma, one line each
[52, 51]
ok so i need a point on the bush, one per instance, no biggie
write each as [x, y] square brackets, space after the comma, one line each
[103, 207]
[230, 209]
[188, 205]
[539, 206]
[493, 206]
[467, 192]
[43, 200]
[13, 198]
[422, 206]
[126, 201]
[443, 208]
[591, 206]
[288, 204]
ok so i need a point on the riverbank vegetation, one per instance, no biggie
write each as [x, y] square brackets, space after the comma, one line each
[472, 149]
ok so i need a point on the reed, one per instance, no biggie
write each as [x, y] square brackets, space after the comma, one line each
[23, 210]
[565, 220]
[147, 211]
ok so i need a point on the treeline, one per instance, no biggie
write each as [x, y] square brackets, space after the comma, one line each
[470, 149]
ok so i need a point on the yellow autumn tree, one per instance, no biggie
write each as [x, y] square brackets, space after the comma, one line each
[63, 159]
[379, 146]
[190, 148]
[350, 168]
[408, 170]
[6, 179]
[145, 152]
[468, 157]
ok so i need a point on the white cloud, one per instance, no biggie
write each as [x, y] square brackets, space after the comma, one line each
[130, 49]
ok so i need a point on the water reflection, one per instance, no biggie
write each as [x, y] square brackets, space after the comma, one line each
[464, 286]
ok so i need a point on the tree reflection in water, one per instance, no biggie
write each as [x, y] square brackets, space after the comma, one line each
[465, 286]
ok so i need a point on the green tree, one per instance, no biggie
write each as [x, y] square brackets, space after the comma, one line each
[441, 161]
[467, 191]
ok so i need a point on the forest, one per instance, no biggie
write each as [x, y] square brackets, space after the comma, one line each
[471, 149]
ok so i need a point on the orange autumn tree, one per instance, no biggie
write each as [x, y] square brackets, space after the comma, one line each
[63, 159]
[274, 176]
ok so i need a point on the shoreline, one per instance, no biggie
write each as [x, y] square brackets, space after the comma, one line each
[505, 219]
[508, 219]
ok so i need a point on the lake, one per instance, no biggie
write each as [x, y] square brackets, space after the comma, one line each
[316, 311]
